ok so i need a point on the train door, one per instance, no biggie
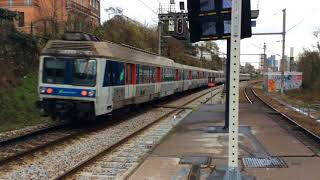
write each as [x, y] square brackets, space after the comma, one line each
[131, 81]
[158, 80]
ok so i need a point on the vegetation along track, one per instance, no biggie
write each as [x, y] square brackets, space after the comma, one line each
[311, 140]
[175, 110]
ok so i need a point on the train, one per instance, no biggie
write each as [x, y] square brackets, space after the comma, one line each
[81, 77]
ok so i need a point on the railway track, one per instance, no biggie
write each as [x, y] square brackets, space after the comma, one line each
[120, 164]
[28, 147]
[19, 146]
[311, 140]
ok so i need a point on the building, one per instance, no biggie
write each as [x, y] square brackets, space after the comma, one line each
[52, 16]
[272, 64]
[203, 54]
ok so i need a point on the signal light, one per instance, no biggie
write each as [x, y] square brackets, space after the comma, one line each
[180, 26]
[84, 93]
[49, 90]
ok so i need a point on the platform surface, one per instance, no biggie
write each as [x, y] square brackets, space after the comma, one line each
[200, 135]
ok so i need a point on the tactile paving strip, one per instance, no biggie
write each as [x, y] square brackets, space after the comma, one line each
[270, 162]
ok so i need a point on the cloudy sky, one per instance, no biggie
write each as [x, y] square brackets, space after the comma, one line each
[302, 19]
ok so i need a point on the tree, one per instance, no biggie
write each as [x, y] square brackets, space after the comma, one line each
[317, 35]
[249, 69]
[309, 65]
[114, 11]
[51, 18]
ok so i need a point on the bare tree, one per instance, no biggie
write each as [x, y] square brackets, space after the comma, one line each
[316, 33]
[51, 17]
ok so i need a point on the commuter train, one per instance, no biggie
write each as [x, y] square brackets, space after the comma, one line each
[81, 77]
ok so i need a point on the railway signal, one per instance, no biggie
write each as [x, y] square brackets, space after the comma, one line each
[180, 26]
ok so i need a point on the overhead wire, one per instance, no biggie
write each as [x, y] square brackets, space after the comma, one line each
[151, 9]
[302, 20]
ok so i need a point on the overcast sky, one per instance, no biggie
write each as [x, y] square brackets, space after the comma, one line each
[302, 15]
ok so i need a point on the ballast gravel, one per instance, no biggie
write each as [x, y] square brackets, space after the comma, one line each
[51, 164]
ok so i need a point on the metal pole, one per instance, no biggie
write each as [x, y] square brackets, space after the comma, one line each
[233, 172]
[227, 86]
[160, 37]
[265, 58]
[211, 94]
[283, 50]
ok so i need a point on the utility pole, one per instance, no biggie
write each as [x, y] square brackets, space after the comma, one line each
[160, 37]
[283, 50]
[227, 86]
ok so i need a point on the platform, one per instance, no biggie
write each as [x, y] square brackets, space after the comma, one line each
[199, 146]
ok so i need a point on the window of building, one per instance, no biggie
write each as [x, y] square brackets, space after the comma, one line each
[21, 19]
[28, 2]
[10, 3]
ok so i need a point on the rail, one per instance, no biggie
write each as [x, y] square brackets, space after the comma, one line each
[316, 137]
[80, 166]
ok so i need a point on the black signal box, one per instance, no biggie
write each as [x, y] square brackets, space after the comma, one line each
[211, 19]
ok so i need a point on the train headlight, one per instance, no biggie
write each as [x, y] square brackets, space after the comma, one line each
[49, 91]
[84, 93]
[91, 93]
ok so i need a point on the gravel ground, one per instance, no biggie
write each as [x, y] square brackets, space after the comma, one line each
[306, 122]
[53, 162]
[122, 161]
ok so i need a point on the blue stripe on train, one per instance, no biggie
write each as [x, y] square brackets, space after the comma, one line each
[67, 92]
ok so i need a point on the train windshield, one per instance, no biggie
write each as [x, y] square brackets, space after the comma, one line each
[73, 71]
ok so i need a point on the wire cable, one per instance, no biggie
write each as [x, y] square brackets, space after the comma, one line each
[155, 12]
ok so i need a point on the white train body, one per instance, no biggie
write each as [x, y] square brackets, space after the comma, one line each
[88, 79]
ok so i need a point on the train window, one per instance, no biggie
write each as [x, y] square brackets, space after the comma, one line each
[81, 72]
[143, 74]
[114, 74]
[153, 74]
[54, 71]
[84, 72]
[194, 75]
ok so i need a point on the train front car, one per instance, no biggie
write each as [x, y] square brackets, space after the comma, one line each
[67, 82]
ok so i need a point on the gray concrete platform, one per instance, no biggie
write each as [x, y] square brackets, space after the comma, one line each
[200, 135]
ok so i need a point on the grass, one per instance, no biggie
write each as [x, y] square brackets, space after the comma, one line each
[302, 97]
[17, 105]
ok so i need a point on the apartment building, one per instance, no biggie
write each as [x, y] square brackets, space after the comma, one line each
[47, 16]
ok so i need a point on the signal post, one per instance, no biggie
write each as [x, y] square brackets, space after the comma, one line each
[229, 20]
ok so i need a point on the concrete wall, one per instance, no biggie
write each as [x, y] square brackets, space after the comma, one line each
[272, 81]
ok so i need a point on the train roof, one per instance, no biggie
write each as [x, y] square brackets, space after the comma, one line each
[110, 50]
